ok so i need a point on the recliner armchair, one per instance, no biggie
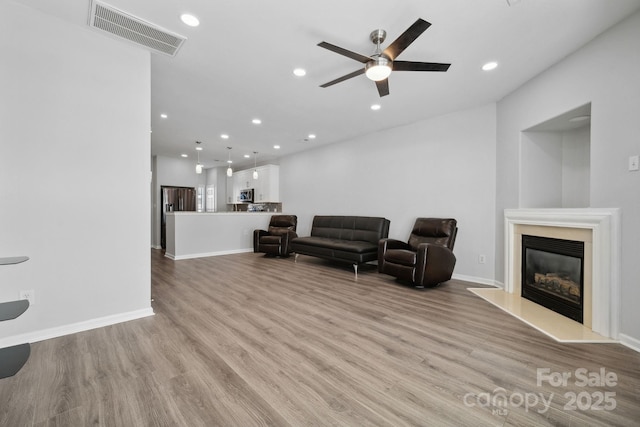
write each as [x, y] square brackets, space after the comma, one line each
[427, 259]
[277, 239]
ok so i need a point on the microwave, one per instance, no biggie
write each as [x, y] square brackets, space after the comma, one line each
[246, 196]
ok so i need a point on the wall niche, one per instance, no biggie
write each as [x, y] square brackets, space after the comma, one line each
[555, 161]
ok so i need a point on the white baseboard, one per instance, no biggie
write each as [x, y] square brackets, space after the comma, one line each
[207, 254]
[627, 341]
[156, 247]
[73, 328]
[480, 280]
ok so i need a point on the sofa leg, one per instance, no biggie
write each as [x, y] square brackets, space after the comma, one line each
[295, 258]
[355, 269]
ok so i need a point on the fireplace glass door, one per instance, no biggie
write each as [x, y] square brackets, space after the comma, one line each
[552, 274]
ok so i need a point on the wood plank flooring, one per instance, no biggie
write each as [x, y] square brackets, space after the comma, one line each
[244, 340]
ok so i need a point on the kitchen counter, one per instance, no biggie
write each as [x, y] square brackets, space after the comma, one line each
[202, 234]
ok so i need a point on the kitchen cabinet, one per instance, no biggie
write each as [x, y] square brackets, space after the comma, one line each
[241, 181]
[266, 187]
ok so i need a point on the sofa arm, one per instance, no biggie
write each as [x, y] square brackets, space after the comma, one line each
[434, 264]
[386, 244]
[256, 239]
[285, 242]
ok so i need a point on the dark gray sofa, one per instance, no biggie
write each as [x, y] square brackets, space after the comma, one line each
[352, 239]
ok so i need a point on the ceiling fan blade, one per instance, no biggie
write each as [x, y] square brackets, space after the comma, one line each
[383, 87]
[343, 78]
[345, 52]
[419, 66]
[401, 43]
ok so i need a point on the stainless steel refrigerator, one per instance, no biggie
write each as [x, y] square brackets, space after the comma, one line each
[174, 199]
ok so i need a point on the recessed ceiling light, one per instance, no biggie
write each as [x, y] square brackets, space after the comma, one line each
[312, 136]
[190, 20]
[229, 161]
[579, 119]
[224, 136]
[277, 147]
[184, 155]
[300, 72]
[246, 156]
[376, 107]
[198, 148]
[256, 121]
[164, 116]
[490, 66]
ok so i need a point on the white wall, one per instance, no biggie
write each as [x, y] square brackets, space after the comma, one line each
[541, 170]
[74, 175]
[554, 169]
[604, 72]
[576, 169]
[441, 167]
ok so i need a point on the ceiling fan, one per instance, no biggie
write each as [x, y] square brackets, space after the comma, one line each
[378, 66]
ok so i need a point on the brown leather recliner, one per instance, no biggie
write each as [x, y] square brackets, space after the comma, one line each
[277, 239]
[427, 259]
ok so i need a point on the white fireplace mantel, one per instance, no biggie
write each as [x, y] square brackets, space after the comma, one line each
[605, 228]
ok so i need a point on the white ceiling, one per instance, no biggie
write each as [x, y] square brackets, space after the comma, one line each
[237, 65]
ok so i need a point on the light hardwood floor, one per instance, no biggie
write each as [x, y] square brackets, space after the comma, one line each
[243, 340]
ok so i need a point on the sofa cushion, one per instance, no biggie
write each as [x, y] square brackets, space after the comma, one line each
[271, 239]
[336, 244]
[439, 231]
[361, 228]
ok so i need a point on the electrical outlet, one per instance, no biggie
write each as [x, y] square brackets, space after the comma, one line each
[29, 295]
[482, 259]
[633, 163]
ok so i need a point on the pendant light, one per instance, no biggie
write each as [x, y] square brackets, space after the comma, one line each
[229, 170]
[198, 165]
[255, 160]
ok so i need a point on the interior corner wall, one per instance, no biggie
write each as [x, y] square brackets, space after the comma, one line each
[74, 175]
[604, 72]
[576, 167]
[541, 170]
[439, 167]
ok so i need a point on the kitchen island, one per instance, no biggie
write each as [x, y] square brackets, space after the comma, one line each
[203, 234]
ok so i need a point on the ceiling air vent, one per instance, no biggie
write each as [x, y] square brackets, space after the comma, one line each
[125, 26]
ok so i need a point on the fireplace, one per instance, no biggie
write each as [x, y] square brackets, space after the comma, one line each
[599, 230]
[553, 274]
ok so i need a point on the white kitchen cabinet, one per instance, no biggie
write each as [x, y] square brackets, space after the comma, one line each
[266, 187]
[241, 181]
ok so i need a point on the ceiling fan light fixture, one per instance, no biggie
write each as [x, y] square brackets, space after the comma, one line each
[378, 69]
